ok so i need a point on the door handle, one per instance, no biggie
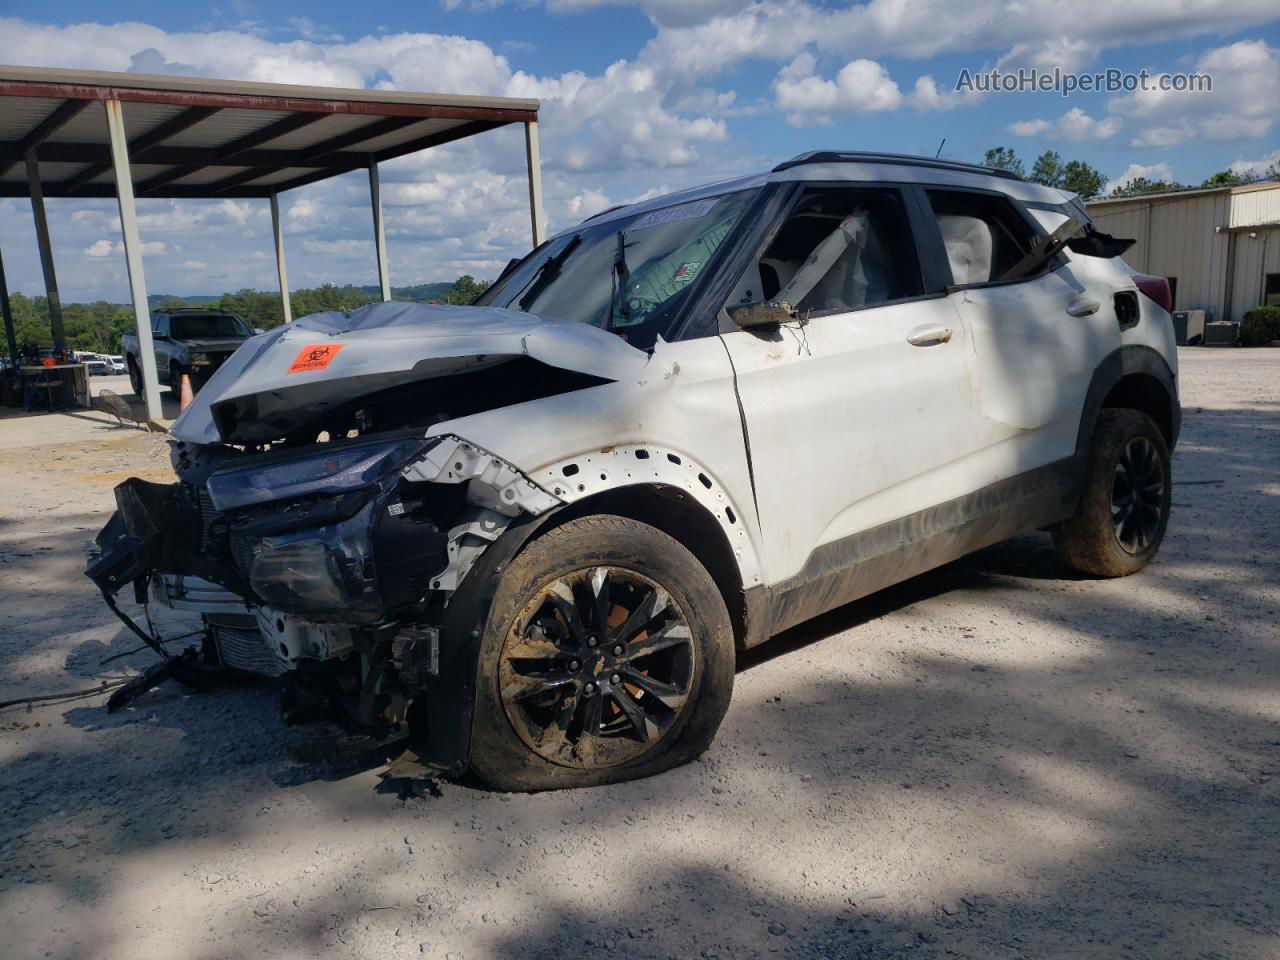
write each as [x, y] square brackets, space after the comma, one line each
[928, 335]
[1083, 307]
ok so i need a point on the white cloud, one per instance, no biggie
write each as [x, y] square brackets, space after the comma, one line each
[1029, 128]
[106, 248]
[1257, 167]
[860, 86]
[1242, 103]
[1074, 125]
[1152, 171]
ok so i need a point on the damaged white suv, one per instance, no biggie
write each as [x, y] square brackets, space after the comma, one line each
[530, 534]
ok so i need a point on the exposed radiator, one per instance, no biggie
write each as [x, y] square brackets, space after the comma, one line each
[240, 644]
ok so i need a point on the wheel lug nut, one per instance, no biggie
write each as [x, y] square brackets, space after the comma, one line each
[592, 641]
[615, 679]
[574, 665]
[617, 650]
[589, 689]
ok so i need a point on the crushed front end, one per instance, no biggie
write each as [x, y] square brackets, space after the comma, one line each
[329, 566]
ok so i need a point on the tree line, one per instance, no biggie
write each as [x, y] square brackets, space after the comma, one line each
[97, 327]
[1089, 182]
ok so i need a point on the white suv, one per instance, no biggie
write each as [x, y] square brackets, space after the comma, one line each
[531, 533]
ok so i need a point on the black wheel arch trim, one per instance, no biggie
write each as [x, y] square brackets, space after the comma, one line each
[1127, 361]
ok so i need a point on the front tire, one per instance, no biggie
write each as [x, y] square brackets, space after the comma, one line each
[1124, 510]
[135, 378]
[608, 655]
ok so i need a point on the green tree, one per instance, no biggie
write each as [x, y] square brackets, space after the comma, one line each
[1003, 158]
[1047, 169]
[466, 289]
[1080, 178]
[1227, 178]
[1140, 185]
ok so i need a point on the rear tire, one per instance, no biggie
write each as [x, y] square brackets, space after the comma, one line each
[135, 377]
[568, 695]
[1124, 509]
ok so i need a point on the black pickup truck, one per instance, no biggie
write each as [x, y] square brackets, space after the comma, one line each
[194, 342]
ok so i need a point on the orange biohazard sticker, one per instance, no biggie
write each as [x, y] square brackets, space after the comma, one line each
[315, 358]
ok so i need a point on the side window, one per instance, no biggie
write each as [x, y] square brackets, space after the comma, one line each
[161, 326]
[837, 250]
[983, 235]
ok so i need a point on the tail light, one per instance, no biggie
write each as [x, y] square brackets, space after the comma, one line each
[1157, 288]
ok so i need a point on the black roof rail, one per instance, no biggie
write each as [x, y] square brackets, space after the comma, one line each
[852, 156]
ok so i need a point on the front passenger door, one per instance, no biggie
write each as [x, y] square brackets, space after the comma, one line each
[860, 413]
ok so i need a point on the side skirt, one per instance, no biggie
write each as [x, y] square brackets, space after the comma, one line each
[854, 567]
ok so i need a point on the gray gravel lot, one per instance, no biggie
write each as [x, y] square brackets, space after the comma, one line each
[992, 760]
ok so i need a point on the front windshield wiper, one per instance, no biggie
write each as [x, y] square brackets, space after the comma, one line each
[549, 270]
[621, 278]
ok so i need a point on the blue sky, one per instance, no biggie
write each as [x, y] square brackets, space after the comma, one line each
[639, 97]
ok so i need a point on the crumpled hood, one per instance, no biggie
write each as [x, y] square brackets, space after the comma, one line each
[395, 343]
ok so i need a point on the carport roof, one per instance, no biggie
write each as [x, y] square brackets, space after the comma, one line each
[204, 138]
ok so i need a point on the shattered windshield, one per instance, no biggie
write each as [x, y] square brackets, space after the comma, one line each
[628, 275]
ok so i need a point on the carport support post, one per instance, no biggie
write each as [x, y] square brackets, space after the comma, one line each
[534, 158]
[46, 249]
[379, 236]
[284, 279]
[9, 336]
[133, 258]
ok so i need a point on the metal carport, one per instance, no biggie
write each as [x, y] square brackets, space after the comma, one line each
[199, 138]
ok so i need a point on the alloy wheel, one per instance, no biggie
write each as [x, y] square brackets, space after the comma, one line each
[597, 668]
[1137, 495]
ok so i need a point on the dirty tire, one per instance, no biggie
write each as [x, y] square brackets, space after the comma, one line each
[135, 377]
[503, 757]
[1089, 541]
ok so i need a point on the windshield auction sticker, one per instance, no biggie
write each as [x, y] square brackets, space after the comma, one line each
[315, 358]
[684, 211]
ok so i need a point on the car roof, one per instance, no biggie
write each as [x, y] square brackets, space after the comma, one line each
[847, 166]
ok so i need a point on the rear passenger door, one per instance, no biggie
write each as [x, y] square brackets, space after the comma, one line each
[1035, 339]
[860, 413]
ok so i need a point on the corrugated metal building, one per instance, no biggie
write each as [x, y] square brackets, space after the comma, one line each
[1219, 247]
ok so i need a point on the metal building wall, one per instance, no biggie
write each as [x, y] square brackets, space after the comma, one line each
[1175, 238]
[1256, 256]
[1251, 207]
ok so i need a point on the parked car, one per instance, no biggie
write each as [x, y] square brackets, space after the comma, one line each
[118, 365]
[193, 341]
[530, 533]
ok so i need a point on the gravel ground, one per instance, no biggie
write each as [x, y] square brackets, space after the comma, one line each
[992, 760]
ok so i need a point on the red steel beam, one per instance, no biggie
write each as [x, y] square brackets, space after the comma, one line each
[423, 111]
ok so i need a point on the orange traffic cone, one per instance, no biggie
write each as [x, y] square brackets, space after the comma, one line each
[185, 398]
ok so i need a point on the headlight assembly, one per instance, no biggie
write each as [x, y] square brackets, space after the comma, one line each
[332, 468]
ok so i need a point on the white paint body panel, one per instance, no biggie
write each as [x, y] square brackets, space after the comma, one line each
[851, 425]
[682, 404]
